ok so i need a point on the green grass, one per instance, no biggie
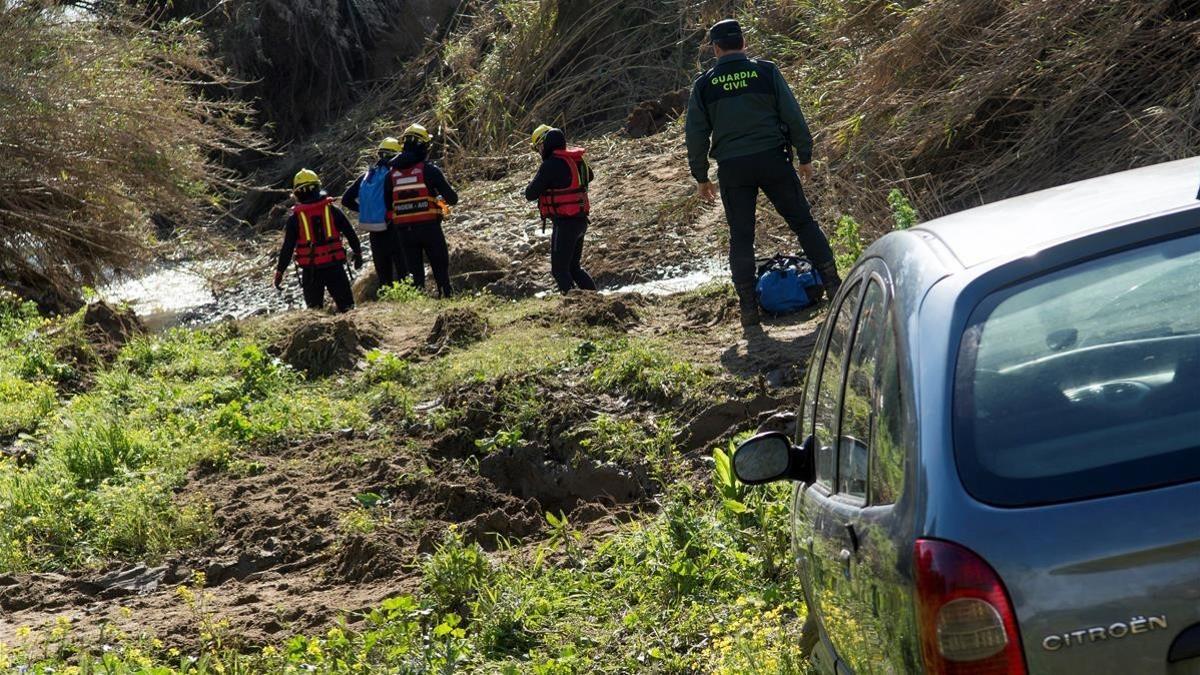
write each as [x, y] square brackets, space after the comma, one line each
[518, 349]
[109, 460]
[698, 588]
[700, 585]
[645, 370]
[629, 440]
[24, 404]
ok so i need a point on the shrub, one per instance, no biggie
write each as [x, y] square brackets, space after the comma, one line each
[847, 242]
[106, 130]
[903, 213]
[646, 371]
[509, 66]
[454, 573]
[402, 291]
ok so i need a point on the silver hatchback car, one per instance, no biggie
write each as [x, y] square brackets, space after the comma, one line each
[999, 469]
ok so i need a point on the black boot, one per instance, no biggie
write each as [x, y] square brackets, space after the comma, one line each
[830, 279]
[748, 304]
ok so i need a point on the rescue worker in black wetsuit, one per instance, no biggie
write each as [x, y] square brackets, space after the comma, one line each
[313, 236]
[420, 200]
[387, 253]
[561, 190]
[743, 114]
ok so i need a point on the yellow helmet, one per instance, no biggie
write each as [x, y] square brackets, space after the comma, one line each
[390, 144]
[305, 178]
[418, 132]
[540, 133]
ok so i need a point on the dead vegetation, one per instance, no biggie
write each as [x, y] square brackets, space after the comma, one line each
[105, 139]
[964, 102]
[307, 61]
[506, 67]
[954, 102]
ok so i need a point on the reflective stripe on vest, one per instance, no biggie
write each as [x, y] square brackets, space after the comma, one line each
[412, 202]
[571, 201]
[325, 248]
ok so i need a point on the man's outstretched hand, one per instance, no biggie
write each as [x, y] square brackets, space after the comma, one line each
[708, 192]
[806, 171]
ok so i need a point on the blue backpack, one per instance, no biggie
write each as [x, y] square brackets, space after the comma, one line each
[787, 284]
[372, 206]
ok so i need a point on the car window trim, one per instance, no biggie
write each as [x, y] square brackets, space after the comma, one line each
[818, 365]
[875, 272]
[869, 276]
[831, 322]
[862, 280]
[883, 275]
[892, 322]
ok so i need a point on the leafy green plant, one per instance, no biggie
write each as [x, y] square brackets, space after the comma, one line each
[847, 242]
[454, 573]
[387, 367]
[563, 535]
[646, 371]
[402, 291]
[731, 490]
[504, 439]
[903, 213]
[626, 440]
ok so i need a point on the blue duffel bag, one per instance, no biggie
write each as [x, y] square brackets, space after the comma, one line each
[787, 284]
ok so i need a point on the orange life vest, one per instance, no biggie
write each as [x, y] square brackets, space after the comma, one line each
[412, 202]
[318, 241]
[571, 201]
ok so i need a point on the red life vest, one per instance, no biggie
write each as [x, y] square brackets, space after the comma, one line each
[412, 202]
[318, 241]
[571, 201]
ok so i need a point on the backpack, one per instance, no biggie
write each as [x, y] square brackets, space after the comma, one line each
[787, 284]
[372, 207]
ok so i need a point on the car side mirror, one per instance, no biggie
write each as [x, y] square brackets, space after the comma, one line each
[771, 457]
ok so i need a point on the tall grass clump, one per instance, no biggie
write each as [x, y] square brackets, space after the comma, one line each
[27, 393]
[508, 66]
[646, 371]
[969, 101]
[104, 128]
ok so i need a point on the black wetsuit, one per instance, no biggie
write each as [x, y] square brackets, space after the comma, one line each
[314, 281]
[387, 253]
[426, 240]
[566, 241]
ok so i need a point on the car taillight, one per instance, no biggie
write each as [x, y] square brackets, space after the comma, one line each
[966, 620]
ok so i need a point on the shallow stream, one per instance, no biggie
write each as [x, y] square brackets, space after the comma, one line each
[199, 293]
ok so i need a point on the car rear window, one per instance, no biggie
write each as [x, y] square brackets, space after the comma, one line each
[1084, 382]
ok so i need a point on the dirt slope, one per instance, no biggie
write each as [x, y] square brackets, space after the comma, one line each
[309, 530]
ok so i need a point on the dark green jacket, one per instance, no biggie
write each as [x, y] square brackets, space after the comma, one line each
[742, 107]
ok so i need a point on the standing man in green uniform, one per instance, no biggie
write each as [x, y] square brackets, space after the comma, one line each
[743, 114]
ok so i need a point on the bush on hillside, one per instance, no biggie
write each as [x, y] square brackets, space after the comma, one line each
[963, 102]
[308, 61]
[509, 66]
[103, 128]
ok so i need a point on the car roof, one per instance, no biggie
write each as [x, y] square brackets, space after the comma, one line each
[1023, 225]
